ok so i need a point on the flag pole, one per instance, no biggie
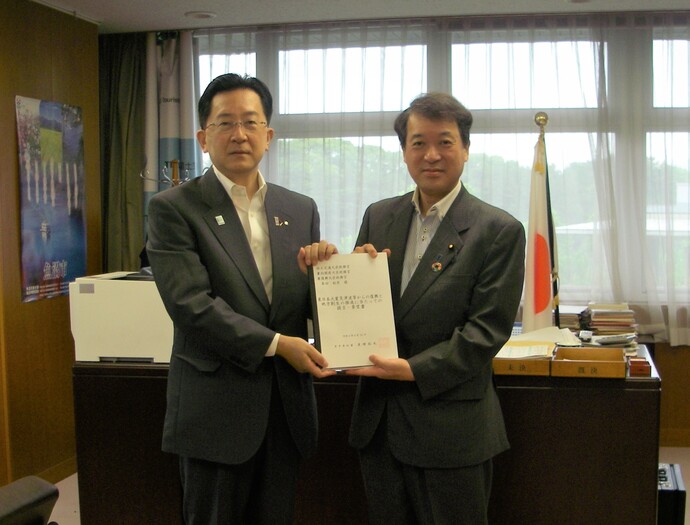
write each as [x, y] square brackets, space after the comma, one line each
[542, 119]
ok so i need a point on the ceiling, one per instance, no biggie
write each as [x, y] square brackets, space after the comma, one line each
[123, 16]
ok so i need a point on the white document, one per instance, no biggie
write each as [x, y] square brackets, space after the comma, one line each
[524, 351]
[352, 309]
[550, 334]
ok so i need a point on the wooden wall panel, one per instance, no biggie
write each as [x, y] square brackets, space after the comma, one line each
[5, 199]
[673, 364]
[48, 55]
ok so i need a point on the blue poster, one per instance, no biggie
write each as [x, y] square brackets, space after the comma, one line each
[51, 175]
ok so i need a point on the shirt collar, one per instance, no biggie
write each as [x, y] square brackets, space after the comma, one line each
[442, 206]
[229, 185]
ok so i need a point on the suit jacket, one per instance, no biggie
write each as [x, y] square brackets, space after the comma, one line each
[219, 383]
[450, 323]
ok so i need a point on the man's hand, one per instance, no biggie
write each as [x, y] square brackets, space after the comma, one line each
[371, 250]
[310, 255]
[302, 356]
[395, 368]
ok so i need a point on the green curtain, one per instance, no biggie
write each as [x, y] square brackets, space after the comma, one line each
[122, 103]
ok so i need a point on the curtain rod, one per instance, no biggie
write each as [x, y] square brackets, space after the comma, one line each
[613, 18]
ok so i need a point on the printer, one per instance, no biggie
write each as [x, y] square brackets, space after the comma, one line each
[119, 317]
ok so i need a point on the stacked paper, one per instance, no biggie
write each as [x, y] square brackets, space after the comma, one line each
[609, 319]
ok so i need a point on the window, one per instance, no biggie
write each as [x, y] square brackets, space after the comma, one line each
[347, 80]
[338, 92]
[615, 88]
[667, 221]
[505, 77]
[671, 77]
[221, 53]
[667, 218]
[511, 75]
[504, 180]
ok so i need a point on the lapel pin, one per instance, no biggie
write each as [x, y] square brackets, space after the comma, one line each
[220, 220]
[278, 222]
[437, 266]
[451, 246]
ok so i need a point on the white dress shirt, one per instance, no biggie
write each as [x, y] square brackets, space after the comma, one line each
[252, 215]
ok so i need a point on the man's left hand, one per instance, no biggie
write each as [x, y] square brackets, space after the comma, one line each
[396, 369]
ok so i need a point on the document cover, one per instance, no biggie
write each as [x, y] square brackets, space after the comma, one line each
[352, 309]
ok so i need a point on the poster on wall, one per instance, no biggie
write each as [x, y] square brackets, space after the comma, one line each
[51, 179]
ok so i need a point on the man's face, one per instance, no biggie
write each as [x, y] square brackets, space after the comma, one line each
[435, 156]
[236, 152]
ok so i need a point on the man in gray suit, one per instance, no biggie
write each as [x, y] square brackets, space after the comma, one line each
[223, 248]
[428, 423]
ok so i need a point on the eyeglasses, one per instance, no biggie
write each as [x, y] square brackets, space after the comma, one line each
[226, 126]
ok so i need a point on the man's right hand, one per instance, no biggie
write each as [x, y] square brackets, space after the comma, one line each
[310, 255]
[302, 356]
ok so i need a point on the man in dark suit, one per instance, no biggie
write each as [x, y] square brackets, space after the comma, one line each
[428, 423]
[223, 249]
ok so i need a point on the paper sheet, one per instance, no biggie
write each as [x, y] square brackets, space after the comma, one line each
[353, 309]
[524, 351]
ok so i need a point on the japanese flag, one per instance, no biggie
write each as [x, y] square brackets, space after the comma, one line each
[540, 263]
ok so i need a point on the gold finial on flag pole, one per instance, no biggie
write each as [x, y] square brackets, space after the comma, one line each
[541, 119]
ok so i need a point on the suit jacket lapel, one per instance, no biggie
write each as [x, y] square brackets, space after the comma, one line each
[279, 233]
[224, 222]
[439, 256]
[397, 235]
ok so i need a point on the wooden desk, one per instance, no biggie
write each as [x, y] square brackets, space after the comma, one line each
[584, 451]
[124, 477]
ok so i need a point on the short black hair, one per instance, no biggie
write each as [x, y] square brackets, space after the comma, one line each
[231, 82]
[436, 106]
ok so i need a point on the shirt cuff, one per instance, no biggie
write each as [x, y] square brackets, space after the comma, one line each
[273, 347]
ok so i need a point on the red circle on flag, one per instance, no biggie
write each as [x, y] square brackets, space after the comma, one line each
[542, 274]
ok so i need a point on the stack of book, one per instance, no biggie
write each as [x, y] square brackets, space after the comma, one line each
[608, 319]
[569, 317]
